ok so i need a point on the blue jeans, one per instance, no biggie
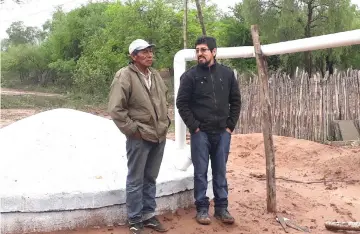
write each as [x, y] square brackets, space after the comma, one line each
[217, 145]
[144, 160]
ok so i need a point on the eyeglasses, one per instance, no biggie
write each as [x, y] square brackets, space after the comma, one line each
[202, 50]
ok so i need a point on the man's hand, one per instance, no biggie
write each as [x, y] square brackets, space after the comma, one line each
[197, 130]
[228, 130]
[136, 135]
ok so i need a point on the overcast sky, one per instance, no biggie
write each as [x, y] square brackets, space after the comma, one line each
[36, 12]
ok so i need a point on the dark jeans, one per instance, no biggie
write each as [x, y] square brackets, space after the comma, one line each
[217, 145]
[144, 160]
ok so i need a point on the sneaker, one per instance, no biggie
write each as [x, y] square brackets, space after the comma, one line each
[136, 228]
[224, 216]
[155, 224]
[202, 217]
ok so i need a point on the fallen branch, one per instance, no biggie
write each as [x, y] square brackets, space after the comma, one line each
[323, 181]
[300, 182]
[348, 226]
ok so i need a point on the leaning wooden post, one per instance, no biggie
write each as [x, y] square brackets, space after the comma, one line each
[266, 121]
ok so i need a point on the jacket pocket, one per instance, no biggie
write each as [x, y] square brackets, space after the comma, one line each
[145, 118]
[201, 86]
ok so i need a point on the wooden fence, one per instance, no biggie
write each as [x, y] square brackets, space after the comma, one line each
[302, 107]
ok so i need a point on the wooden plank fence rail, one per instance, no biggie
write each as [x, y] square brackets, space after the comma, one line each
[302, 107]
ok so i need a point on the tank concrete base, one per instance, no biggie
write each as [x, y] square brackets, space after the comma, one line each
[65, 169]
[114, 215]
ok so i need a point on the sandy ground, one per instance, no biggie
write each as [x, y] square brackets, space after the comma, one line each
[315, 183]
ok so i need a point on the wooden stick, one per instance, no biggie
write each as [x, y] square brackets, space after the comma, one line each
[266, 121]
[322, 181]
[348, 226]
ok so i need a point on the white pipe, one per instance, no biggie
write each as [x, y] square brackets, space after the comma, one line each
[313, 43]
[179, 68]
[307, 44]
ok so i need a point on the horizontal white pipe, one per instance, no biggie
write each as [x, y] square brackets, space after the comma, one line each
[313, 43]
[307, 44]
[300, 45]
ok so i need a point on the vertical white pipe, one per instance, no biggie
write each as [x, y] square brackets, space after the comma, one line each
[180, 128]
[179, 68]
[183, 159]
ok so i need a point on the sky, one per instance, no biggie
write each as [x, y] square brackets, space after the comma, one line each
[36, 12]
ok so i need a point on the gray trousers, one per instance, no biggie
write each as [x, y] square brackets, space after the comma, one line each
[144, 160]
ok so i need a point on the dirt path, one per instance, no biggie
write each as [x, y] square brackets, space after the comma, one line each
[6, 91]
[8, 116]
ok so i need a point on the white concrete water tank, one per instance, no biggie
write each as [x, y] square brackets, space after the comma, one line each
[65, 169]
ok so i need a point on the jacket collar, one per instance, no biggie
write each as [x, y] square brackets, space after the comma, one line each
[135, 69]
[211, 68]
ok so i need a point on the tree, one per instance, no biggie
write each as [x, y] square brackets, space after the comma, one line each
[19, 34]
[185, 23]
[283, 20]
[82, 49]
[200, 15]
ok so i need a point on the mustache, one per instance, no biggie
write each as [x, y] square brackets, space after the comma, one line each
[201, 57]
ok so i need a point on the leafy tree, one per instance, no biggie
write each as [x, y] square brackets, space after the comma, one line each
[282, 20]
[19, 34]
[82, 49]
[28, 61]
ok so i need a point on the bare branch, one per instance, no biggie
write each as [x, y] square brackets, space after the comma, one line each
[318, 17]
[273, 4]
[314, 6]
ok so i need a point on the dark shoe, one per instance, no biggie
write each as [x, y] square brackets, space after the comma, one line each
[136, 228]
[202, 217]
[155, 224]
[224, 216]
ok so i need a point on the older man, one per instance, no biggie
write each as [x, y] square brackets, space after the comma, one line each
[138, 106]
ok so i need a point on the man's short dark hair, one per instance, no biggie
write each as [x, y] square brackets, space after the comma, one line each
[209, 41]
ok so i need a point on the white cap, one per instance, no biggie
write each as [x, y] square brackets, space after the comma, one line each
[139, 44]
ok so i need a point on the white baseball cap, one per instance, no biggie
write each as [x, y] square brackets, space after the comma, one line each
[139, 44]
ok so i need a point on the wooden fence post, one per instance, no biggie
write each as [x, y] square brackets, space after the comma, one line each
[266, 121]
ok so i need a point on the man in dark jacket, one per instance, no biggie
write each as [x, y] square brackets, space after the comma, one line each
[209, 103]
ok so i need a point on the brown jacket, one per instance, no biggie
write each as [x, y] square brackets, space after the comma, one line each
[133, 107]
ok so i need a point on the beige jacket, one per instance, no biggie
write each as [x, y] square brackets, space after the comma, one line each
[132, 106]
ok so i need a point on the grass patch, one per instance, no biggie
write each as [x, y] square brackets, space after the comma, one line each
[172, 126]
[49, 102]
[12, 81]
[30, 102]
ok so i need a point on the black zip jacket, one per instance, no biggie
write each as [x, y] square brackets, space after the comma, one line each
[209, 98]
